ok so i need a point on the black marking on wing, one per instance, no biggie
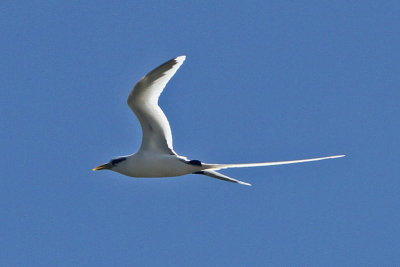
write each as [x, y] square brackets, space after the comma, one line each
[200, 172]
[161, 70]
[194, 162]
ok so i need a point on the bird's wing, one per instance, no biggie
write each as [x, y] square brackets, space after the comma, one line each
[143, 100]
[221, 176]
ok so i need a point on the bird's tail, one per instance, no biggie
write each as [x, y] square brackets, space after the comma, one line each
[221, 176]
[215, 167]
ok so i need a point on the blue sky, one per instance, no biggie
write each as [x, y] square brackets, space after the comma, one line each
[270, 81]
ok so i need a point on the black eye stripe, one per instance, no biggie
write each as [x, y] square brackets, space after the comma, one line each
[116, 161]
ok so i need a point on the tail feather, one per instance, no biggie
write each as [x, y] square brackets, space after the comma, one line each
[215, 167]
[221, 176]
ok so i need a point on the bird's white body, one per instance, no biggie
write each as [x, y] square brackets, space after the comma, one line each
[147, 165]
[156, 156]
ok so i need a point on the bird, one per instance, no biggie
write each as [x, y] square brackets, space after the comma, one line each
[156, 156]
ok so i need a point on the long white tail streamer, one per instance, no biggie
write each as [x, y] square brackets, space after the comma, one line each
[246, 165]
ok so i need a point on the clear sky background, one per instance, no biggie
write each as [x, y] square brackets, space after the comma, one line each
[263, 81]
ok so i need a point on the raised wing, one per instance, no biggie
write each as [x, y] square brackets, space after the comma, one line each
[143, 100]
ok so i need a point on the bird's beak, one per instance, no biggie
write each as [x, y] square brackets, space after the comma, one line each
[105, 166]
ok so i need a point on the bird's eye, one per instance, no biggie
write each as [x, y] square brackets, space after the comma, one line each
[116, 161]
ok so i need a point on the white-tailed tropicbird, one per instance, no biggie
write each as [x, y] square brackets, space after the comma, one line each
[156, 156]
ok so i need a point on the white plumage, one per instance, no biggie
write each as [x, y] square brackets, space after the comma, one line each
[156, 156]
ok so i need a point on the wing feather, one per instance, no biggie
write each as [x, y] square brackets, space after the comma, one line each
[143, 100]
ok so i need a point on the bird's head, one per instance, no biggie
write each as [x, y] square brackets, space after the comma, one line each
[110, 165]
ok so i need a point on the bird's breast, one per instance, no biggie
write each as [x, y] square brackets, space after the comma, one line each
[148, 165]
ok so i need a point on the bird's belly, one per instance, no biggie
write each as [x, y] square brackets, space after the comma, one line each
[168, 166]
